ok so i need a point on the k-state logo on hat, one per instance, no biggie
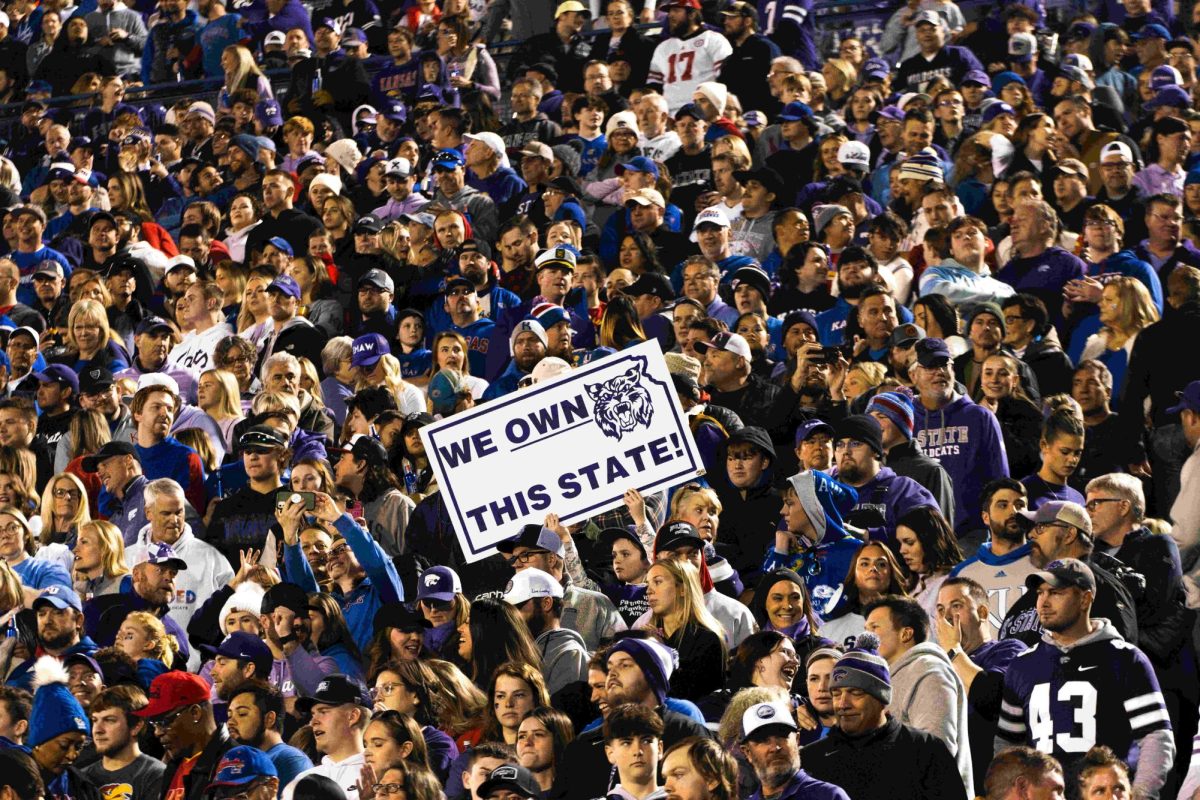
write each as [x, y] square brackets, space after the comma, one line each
[838, 674]
[431, 580]
[765, 712]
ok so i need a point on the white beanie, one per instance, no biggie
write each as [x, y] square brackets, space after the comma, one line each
[331, 182]
[246, 597]
[345, 152]
[716, 93]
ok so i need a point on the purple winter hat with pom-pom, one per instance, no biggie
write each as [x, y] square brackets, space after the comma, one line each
[863, 668]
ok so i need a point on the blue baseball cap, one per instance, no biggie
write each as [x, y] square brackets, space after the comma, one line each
[242, 765]
[689, 110]
[795, 111]
[367, 349]
[1152, 31]
[61, 597]
[247, 647]
[448, 159]
[287, 285]
[61, 374]
[267, 112]
[438, 583]
[282, 245]
[808, 428]
[1189, 398]
[995, 109]
[977, 76]
[932, 352]
[638, 164]
[1169, 96]
[1164, 75]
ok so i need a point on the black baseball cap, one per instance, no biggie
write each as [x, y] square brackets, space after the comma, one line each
[261, 439]
[652, 283]
[110, 450]
[677, 533]
[285, 595]
[400, 617]
[335, 690]
[95, 379]
[514, 778]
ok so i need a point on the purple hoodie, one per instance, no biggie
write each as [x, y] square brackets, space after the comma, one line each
[966, 440]
[891, 496]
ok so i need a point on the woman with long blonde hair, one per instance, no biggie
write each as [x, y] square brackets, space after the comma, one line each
[64, 508]
[99, 559]
[218, 395]
[386, 372]
[677, 611]
[241, 72]
[460, 705]
[1126, 309]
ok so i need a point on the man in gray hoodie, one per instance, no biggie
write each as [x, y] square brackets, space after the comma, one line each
[121, 34]
[926, 692]
[539, 598]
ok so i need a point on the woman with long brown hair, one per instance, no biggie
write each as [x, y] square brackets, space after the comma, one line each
[874, 572]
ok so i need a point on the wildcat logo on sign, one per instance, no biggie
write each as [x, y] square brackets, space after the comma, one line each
[622, 404]
[571, 446]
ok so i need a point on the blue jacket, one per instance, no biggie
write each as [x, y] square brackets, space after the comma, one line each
[831, 323]
[382, 584]
[506, 383]
[826, 562]
[966, 440]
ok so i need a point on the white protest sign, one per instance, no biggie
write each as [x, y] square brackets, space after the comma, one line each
[570, 446]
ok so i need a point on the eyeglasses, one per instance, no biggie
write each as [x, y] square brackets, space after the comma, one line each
[1092, 505]
[385, 690]
[12, 529]
[250, 792]
[162, 723]
[1169, 219]
[1011, 320]
[238, 360]
[527, 556]
[1099, 223]
[63, 494]
[339, 551]
[436, 605]
[385, 789]
[1041, 527]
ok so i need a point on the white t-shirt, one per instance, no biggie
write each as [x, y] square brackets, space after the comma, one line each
[195, 353]
[343, 773]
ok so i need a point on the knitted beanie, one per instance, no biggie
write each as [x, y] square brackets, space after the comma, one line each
[896, 407]
[656, 660]
[55, 710]
[863, 668]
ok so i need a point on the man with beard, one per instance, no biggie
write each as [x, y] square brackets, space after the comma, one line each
[964, 437]
[97, 392]
[60, 632]
[917, 764]
[518, 249]
[770, 744]
[528, 343]
[462, 304]
[491, 299]
[1063, 530]
[1003, 561]
[639, 671]
[123, 769]
[181, 716]
[290, 332]
[986, 332]
[163, 456]
[240, 659]
[689, 37]
[539, 599]
[1082, 685]
[557, 322]
[256, 718]
[894, 413]
[857, 270]
[884, 496]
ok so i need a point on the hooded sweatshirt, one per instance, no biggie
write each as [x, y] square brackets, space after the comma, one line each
[207, 571]
[967, 441]
[564, 657]
[1059, 697]
[929, 696]
[827, 559]
[963, 286]
[887, 497]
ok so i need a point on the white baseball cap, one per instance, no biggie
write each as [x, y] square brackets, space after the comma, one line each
[530, 583]
[548, 368]
[274, 37]
[729, 342]
[713, 215]
[1119, 148]
[854, 154]
[764, 715]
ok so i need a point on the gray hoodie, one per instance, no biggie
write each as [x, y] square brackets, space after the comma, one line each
[564, 657]
[928, 695]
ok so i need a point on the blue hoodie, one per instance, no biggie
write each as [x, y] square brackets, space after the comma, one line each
[823, 566]
[966, 440]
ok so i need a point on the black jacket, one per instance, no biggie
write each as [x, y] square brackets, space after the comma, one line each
[748, 523]
[1158, 368]
[908, 460]
[1164, 622]
[195, 785]
[1050, 366]
[916, 764]
[1021, 423]
[585, 772]
[701, 669]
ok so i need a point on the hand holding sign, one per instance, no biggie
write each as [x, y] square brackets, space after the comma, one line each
[573, 447]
